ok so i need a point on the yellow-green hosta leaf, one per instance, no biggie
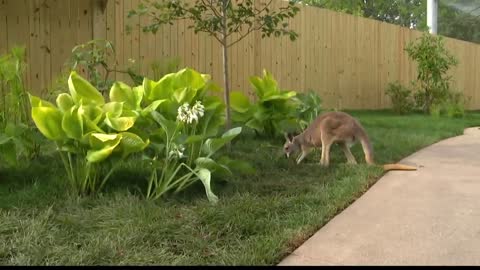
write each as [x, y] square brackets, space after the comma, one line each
[205, 176]
[101, 140]
[138, 93]
[94, 156]
[163, 88]
[188, 77]
[121, 92]
[152, 107]
[148, 86]
[64, 102]
[119, 123]
[114, 108]
[38, 102]
[132, 143]
[85, 140]
[239, 102]
[49, 121]
[72, 124]
[92, 115]
[185, 94]
[81, 89]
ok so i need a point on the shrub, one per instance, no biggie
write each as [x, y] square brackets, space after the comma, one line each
[91, 136]
[309, 108]
[452, 106]
[274, 111]
[401, 98]
[185, 138]
[433, 62]
[92, 56]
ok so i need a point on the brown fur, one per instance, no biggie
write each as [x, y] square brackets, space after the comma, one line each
[334, 127]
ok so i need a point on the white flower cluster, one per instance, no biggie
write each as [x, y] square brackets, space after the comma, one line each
[189, 115]
[177, 151]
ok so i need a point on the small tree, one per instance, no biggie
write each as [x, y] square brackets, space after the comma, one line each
[221, 19]
[433, 62]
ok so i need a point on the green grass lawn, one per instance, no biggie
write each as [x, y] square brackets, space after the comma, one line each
[259, 219]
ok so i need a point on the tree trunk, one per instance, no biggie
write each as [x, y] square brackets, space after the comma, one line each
[226, 82]
[226, 85]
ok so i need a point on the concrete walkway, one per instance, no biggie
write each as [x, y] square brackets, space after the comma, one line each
[425, 217]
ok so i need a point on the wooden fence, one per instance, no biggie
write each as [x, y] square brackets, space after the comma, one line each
[348, 60]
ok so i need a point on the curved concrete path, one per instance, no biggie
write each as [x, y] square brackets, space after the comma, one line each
[426, 217]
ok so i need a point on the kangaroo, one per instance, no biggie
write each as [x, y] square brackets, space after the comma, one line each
[334, 127]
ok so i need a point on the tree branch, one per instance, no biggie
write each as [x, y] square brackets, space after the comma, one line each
[242, 36]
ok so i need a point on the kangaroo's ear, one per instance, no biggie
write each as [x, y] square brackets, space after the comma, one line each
[291, 135]
[287, 137]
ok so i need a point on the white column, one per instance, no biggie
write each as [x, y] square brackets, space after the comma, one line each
[432, 7]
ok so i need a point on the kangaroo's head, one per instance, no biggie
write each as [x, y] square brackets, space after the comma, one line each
[290, 146]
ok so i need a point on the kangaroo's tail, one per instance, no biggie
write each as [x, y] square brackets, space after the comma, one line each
[399, 167]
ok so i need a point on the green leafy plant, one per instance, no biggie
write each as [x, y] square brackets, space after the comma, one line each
[433, 63]
[184, 140]
[18, 139]
[92, 58]
[401, 97]
[309, 109]
[91, 135]
[455, 105]
[452, 106]
[274, 111]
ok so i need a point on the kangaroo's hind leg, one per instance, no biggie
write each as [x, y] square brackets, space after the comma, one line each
[326, 144]
[346, 150]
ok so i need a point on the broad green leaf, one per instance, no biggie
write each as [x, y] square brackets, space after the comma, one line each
[205, 176]
[183, 95]
[131, 143]
[94, 156]
[72, 124]
[255, 124]
[114, 108]
[38, 102]
[119, 123]
[148, 86]
[64, 102]
[257, 85]
[49, 121]
[194, 139]
[212, 166]
[92, 112]
[168, 126]
[188, 77]
[81, 89]
[138, 93]
[213, 145]
[286, 95]
[152, 107]
[163, 88]
[239, 102]
[121, 92]
[100, 140]
[91, 115]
